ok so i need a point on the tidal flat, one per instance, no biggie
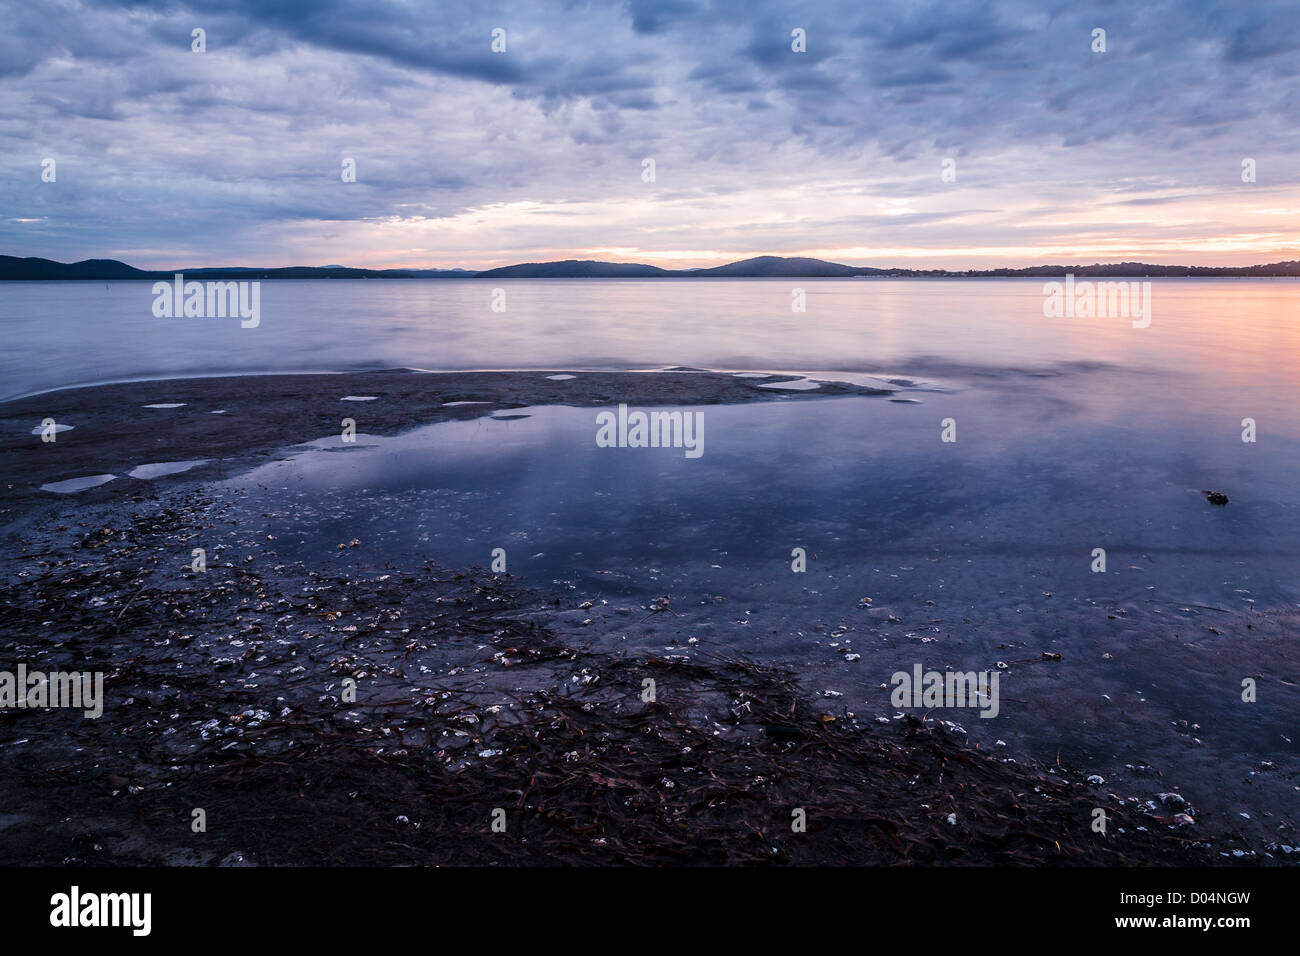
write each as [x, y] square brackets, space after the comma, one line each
[348, 660]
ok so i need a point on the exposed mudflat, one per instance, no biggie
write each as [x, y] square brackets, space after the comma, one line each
[225, 691]
[233, 420]
[476, 692]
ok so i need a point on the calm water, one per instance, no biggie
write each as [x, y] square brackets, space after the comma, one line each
[1229, 343]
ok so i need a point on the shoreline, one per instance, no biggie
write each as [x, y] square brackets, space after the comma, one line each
[769, 375]
[223, 687]
[224, 419]
[227, 692]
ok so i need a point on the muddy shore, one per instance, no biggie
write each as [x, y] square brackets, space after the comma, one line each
[476, 700]
[235, 421]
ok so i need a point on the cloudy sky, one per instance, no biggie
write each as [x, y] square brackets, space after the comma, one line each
[165, 157]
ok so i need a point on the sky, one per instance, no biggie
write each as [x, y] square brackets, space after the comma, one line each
[165, 157]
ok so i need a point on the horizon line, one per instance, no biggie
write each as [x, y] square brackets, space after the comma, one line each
[669, 270]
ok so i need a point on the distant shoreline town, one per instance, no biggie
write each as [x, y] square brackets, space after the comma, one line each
[761, 267]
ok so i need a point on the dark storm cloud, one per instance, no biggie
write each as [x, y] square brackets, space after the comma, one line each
[658, 16]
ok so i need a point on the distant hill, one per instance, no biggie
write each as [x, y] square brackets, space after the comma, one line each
[31, 268]
[760, 267]
[575, 269]
[12, 267]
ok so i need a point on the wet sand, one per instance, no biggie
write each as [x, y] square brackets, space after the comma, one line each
[474, 691]
[236, 420]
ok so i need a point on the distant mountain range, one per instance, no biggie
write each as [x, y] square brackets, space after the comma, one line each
[761, 267]
[12, 267]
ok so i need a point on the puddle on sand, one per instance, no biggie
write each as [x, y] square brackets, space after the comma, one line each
[162, 468]
[975, 523]
[77, 484]
[862, 379]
